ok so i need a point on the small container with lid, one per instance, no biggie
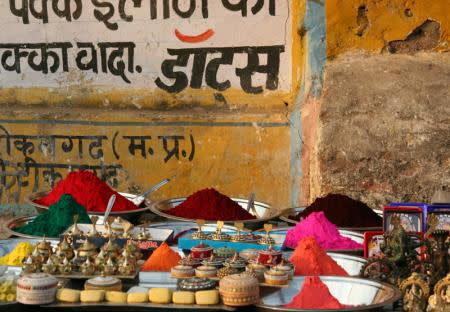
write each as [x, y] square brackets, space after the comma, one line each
[287, 267]
[249, 254]
[276, 277]
[214, 261]
[87, 250]
[182, 271]
[258, 269]
[224, 252]
[206, 271]
[106, 283]
[270, 256]
[36, 289]
[201, 251]
[239, 290]
[196, 284]
[236, 263]
[190, 261]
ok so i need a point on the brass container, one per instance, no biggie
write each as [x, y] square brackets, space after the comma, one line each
[65, 268]
[49, 267]
[87, 250]
[109, 268]
[87, 268]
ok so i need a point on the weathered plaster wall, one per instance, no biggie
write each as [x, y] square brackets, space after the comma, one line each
[232, 139]
[378, 129]
[369, 25]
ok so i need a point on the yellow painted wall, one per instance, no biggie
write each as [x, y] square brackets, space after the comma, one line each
[387, 22]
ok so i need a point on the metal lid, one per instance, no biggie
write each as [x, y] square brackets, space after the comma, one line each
[196, 284]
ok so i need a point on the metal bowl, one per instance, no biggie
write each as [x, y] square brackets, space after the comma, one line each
[287, 213]
[363, 294]
[129, 215]
[264, 211]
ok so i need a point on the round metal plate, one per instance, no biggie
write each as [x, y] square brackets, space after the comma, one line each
[287, 213]
[31, 199]
[264, 211]
[363, 294]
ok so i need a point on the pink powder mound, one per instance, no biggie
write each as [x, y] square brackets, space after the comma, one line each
[325, 233]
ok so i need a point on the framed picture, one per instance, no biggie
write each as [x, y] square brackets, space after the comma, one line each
[444, 221]
[372, 243]
[411, 219]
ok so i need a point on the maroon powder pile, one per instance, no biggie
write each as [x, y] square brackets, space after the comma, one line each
[344, 211]
[209, 204]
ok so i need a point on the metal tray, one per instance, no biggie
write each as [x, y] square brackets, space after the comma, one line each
[30, 199]
[364, 294]
[21, 221]
[104, 306]
[264, 210]
[291, 211]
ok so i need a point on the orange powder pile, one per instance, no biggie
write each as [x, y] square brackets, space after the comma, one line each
[309, 259]
[162, 259]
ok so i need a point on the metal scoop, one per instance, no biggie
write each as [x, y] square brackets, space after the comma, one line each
[139, 199]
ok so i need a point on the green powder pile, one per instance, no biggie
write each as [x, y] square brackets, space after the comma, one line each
[57, 219]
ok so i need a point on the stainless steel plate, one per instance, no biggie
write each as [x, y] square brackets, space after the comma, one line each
[351, 264]
[264, 211]
[293, 211]
[364, 294]
[30, 199]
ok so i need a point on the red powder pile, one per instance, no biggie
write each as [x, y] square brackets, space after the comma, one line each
[89, 191]
[344, 211]
[314, 295]
[309, 259]
[209, 204]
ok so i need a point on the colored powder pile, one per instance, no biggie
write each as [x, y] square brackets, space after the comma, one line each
[209, 204]
[57, 219]
[89, 191]
[310, 260]
[344, 211]
[16, 257]
[314, 295]
[325, 233]
[162, 259]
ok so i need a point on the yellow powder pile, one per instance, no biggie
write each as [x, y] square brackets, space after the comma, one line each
[16, 257]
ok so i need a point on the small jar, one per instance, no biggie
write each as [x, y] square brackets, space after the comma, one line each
[190, 261]
[249, 254]
[182, 271]
[201, 251]
[285, 267]
[214, 261]
[206, 271]
[36, 289]
[236, 263]
[270, 257]
[87, 250]
[259, 270]
[105, 283]
[275, 277]
[225, 252]
[239, 290]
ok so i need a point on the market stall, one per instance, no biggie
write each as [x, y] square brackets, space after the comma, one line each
[89, 249]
